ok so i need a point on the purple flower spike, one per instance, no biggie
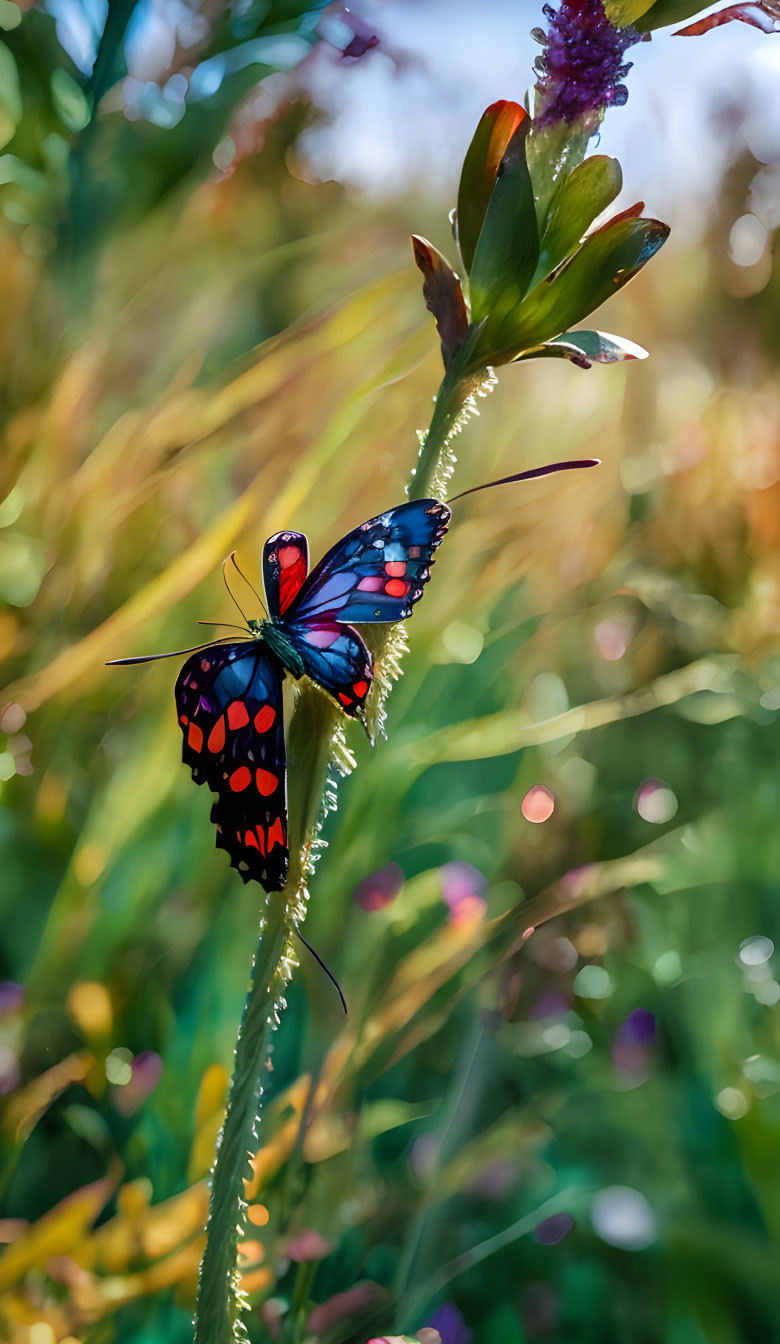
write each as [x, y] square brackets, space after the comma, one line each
[582, 62]
[449, 1322]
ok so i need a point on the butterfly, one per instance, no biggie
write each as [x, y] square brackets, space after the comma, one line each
[229, 692]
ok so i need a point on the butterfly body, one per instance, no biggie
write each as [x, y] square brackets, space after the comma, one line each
[273, 635]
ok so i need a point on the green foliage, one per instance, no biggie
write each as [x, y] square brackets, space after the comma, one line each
[612, 638]
[533, 269]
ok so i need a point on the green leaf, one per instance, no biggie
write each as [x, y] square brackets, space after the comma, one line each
[625, 12]
[585, 348]
[605, 262]
[69, 100]
[443, 297]
[480, 169]
[587, 191]
[665, 12]
[508, 246]
[10, 96]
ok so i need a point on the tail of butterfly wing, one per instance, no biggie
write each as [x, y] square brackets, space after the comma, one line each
[255, 838]
[229, 703]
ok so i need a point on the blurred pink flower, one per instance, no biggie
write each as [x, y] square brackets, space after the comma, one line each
[460, 881]
[147, 1070]
[343, 1305]
[469, 910]
[379, 889]
[308, 1245]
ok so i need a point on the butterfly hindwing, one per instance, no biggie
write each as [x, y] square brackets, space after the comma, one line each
[336, 658]
[229, 704]
[377, 572]
[285, 565]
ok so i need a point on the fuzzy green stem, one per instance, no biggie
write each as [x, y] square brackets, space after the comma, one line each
[217, 1321]
[314, 740]
[452, 394]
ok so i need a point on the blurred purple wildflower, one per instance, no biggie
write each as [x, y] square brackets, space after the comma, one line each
[631, 1044]
[461, 887]
[459, 881]
[11, 997]
[553, 1229]
[638, 1028]
[449, 1322]
[147, 1070]
[551, 1004]
[379, 889]
[582, 63]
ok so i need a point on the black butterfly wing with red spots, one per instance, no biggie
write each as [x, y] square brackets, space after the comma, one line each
[229, 705]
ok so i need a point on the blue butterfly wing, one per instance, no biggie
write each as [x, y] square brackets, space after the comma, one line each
[336, 657]
[229, 706]
[377, 572]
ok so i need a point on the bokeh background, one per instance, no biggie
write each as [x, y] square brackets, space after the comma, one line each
[212, 329]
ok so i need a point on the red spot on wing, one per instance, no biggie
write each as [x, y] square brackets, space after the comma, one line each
[345, 699]
[292, 572]
[205, 665]
[184, 719]
[250, 840]
[360, 688]
[240, 779]
[261, 839]
[396, 587]
[275, 834]
[216, 739]
[266, 782]
[264, 719]
[395, 568]
[195, 737]
[237, 715]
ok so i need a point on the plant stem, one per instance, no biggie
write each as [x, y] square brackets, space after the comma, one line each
[430, 475]
[313, 739]
[216, 1320]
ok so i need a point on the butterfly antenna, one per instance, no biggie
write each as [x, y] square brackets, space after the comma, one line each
[224, 625]
[153, 657]
[329, 973]
[531, 475]
[237, 567]
[231, 595]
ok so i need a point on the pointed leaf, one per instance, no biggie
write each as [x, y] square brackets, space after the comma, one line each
[604, 263]
[665, 12]
[480, 169]
[443, 296]
[766, 17]
[508, 246]
[585, 348]
[587, 191]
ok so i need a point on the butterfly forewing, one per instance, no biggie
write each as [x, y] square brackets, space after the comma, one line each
[285, 566]
[377, 572]
[229, 704]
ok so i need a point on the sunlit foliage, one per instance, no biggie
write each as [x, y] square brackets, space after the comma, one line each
[550, 896]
